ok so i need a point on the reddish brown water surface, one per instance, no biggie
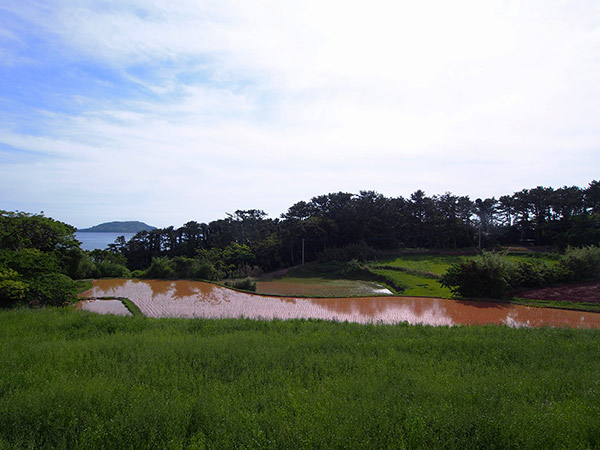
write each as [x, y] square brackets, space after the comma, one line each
[197, 299]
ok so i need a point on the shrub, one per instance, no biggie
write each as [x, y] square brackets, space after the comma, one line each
[12, 289]
[580, 263]
[487, 275]
[53, 289]
[86, 268]
[491, 275]
[530, 275]
[183, 267]
[160, 268]
[189, 268]
[112, 270]
[30, 261]
[245, 284]
[204, 271]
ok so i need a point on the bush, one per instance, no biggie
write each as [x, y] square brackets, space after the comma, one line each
[492, 275]
[530, 275]
[30, 261]
[53, 289]
[580, 264]
[108, 269]
[245, 284]
[487, 275]
[160, 268]
[12, 289]
[183, 267]
[189, 268]
[86, 268]
[204, 271]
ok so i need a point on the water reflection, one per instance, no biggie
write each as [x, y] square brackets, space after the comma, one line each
[197, 299]
[105, 307]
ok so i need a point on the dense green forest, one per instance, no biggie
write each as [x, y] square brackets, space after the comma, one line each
[40, 257]
[344, 225]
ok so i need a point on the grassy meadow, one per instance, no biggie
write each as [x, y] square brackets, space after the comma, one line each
[72, 379]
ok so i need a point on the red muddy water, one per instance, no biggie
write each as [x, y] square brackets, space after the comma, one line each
[198, 299]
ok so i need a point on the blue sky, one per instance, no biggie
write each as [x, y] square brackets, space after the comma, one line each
[173, 111]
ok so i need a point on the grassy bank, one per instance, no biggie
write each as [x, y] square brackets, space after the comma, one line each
[336, 279]
[71, 379]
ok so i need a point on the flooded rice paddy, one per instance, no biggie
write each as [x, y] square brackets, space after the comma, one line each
[105, 307]
[194, 299]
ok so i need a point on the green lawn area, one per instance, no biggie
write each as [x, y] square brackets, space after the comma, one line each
[435, 264]
[76, 380]
[319, 287]
[418, 273]
[416, 286]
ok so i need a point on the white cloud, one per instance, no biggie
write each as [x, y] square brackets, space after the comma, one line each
[262, 104]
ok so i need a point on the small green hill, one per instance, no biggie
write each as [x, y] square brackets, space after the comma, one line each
[132, 226]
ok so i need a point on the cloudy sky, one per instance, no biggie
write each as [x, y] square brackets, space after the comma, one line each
[168, 111]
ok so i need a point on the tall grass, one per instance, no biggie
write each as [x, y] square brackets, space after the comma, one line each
[245, 284]
[71, 379]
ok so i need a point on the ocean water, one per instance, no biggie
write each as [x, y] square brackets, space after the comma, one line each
[95, 240]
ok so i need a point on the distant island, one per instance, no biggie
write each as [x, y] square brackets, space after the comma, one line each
[132, 226]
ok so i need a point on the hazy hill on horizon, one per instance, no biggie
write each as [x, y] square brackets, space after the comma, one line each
[131, 226]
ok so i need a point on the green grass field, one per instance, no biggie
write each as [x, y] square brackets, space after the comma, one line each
[72, 379]
[416, 285]
[432, 264]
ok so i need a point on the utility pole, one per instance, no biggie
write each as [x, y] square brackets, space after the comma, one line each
[302, 251]
[480, 236]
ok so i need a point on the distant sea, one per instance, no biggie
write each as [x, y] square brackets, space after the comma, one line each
[94, 240]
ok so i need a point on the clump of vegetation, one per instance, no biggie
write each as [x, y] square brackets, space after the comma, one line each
[161, 267]
[580, 263]
[38, 257]
[178, 268]
[12, 289]
[495, 275]
[487, 275]
[245, 284]
[531, 275]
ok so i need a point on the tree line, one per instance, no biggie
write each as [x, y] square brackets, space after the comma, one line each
[567, 216]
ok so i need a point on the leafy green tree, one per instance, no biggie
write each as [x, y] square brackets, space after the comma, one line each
[19, 230]
[238, 254]
[54, 289]
[12, 289]
[161, 267]
[268, 252]
[592, 197]
[30, 262]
